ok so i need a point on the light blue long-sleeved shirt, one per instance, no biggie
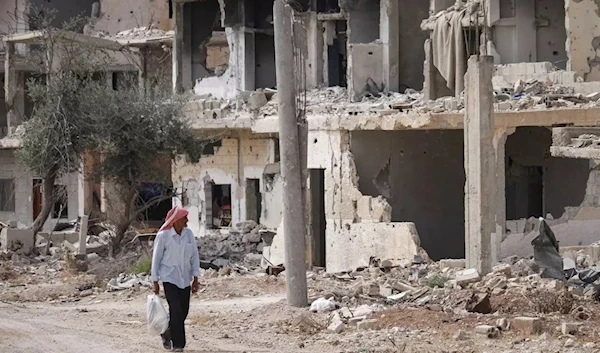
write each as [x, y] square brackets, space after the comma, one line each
[175, 257]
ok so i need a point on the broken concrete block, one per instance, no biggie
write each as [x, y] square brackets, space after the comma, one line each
[381, 210]
[452, 263]
[528, 325]
[257, 100]
[505, 269]
[336, 325]
[402, 286]
[355, 320]
[487, 330]
[246, 226]
[569, 343]
[366, 324]
[503, 324]
[363, 310]
[371, 289]
[385, 290]
[467, 276]
[568, 328]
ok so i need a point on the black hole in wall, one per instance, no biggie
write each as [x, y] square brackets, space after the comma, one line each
[315, 141]
[170, 8]
[370, 53]
[214, 115]
[555, 53]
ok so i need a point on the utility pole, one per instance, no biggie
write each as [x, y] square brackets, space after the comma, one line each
[294, 221]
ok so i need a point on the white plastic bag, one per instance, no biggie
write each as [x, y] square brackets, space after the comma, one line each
[156, 315]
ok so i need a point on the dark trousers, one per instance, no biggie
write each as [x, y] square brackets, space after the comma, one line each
[179, 307]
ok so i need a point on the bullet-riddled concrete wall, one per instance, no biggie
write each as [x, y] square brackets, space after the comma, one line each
[583, 32]
[236, 160]
[412, 40]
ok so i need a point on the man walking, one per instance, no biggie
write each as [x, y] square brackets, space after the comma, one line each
[175, 262]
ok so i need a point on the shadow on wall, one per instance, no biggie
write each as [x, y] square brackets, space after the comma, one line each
[421, 173]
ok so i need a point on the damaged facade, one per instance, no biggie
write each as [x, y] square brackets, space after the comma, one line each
[144, 27]
[386, 160]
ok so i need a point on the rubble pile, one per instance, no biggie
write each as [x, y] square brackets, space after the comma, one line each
[148, 33]
[585, 141]
[242, 243]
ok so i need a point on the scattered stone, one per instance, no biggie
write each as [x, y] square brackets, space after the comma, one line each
[528, 325]
[256, 100]
[355, 320]
[363, 310]
[479, 303]
[86, 293]
[504, 269]
[487, 330]
[467, 276]
[570, 343]
[503, 324]
[385, 290]
[336, 325]
[366, 324]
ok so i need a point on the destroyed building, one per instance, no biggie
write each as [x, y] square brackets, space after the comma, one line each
[385, 105]
[143, 27]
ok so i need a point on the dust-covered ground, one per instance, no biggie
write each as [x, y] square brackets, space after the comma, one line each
[249, 314]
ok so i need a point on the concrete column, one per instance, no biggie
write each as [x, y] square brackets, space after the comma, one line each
[429, 73]
[389, 32]
[83, 229]
[314, 33]
[10, 86]
[186, 59]
[500, 136]
[177, 55]
[480, 164]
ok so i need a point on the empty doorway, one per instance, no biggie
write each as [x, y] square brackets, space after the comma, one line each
[253, 200]
[317, 215]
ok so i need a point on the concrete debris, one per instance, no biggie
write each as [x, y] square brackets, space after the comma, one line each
[222, 247]
[366, 324]
[467, 276]
[140, 33]
[528, 325]
[487, 330]
[336, 325]
[568, 328]
[125, 281]
[322, 305]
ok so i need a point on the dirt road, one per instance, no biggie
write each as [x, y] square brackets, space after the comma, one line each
[117, 327]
